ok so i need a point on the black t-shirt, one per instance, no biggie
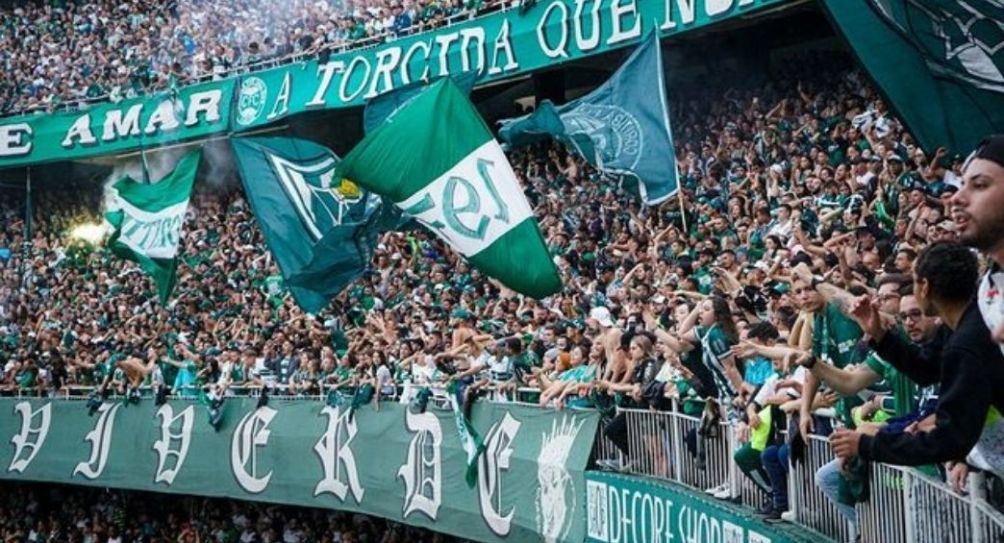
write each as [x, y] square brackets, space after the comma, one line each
[970, 372]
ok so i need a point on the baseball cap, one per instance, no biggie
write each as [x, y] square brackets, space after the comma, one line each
[991, 148]
[602, 316]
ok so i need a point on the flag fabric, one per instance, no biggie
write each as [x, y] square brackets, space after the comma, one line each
[382, 107]
[938, 63]
[470, 439]
[621, 128]
[321, 229]
[147, 220]
[438, 162]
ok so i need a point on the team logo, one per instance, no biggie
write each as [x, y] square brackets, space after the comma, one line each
[495, 460]
[961, 39]
[423, 471]
[339, 463]
[175, 438]
[555, 491]
[321, 201]
[251, 102]
[608, 134]
[250, 434]
[101, 440]
[34, 430]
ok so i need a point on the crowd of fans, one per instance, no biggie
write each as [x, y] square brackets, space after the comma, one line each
[44, 513]
[56, 52]
[803, 198]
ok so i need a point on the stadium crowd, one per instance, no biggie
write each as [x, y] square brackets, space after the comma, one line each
[74, 51]
[800, 196]
[43, 513]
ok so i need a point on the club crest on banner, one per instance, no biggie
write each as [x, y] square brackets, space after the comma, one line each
[251, 102]
[251, 434]
[34, 430]
[556, 492]
[175, 439]
[423, 471]
[101, 440]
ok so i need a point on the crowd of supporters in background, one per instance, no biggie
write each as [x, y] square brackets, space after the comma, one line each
[800, 195]
[56, 52]
[41, 513]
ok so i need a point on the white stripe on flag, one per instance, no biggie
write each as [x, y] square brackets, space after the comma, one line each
[474, 203]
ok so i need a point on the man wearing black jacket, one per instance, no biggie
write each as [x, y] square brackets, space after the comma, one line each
[970, 367]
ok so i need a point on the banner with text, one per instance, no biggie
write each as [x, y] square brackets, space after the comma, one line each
[622, 509]
[495, 46]
[388, 462]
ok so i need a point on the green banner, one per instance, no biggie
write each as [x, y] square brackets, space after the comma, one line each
[621, 509]
[384, 461]
[192, 112]
[496, 46]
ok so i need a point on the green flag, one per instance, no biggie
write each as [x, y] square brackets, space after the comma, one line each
[438, 162]
[470, 439]
[939, 63]
[320, 228]
[621, 128]
[147, 221]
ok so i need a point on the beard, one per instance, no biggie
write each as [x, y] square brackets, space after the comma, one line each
[984, 237]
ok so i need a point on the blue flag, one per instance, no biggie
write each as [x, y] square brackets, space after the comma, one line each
[621, 128]
[380, 108]
[320, 230]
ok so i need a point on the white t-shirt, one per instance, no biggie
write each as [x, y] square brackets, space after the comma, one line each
[988, 454]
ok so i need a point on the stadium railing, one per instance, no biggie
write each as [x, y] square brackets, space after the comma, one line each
[83, 104]
[904, 505]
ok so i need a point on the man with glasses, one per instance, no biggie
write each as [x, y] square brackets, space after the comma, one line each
[969, 368]
[907, 402]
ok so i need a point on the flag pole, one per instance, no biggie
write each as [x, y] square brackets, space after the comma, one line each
[25, 251]
[679, 197]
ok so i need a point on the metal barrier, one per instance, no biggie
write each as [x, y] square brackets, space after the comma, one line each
[669, 445]
[883, 517]
[807, 502]
[904, 506]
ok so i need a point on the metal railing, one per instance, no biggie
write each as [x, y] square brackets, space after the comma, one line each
[807, 502]
[904, 505]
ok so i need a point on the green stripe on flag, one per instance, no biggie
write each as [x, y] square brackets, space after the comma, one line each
[521, 244]
[418, 144]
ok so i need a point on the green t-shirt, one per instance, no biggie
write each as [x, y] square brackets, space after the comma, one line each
[834, 337]
[904, 391]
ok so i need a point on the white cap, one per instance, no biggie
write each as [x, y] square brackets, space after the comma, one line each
[601, 315]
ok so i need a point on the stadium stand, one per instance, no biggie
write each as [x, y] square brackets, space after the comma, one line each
[686, 324]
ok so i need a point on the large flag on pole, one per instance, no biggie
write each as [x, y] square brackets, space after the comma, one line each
[147, 220]
[438, 162]
[621, 128]
[939, 63]
[321, 229]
